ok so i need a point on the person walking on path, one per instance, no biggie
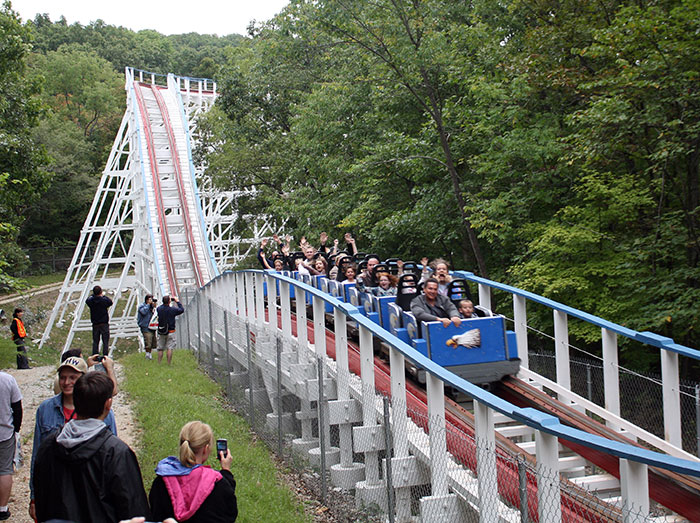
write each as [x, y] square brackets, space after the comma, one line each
[144, 316]
[166, 326]
[10, 423]
[19, 333]
[99, 316]
[85, 473]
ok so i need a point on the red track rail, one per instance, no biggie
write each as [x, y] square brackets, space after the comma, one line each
[672, 490]
[180, 185]
[167, 254]
[461, 442]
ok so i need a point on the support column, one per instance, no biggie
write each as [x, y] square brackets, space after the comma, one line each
[561, 349]
[672, 397]
[634, 483]
[332, 453]
[441, 506]
[344, 411]
[486, 461]
[369, 438]
[611, 374]
[548, 485]
[520, 320]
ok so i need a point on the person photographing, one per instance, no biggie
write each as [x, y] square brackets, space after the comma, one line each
[186, 489]
[166, 326]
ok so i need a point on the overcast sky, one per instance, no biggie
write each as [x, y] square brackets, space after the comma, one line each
[219, 17]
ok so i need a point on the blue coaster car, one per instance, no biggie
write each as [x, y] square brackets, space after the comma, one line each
[480, 350]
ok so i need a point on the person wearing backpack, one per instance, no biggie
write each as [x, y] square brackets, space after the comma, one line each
[147, 320]
[166, 326]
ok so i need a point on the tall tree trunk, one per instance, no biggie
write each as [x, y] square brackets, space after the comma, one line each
[454, 178]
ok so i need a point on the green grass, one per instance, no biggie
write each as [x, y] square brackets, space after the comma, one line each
[38, 280]
[8, 354]
[165, 398]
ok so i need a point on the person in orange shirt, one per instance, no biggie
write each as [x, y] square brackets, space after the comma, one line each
[18, 335]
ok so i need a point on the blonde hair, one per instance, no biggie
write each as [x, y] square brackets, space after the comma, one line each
[194, 436]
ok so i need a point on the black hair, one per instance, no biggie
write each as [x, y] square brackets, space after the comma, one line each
[166, 300]
[17, 311]
[90, 393]
[97, 290]
[431, 280]
[147, 296]
[78, 353]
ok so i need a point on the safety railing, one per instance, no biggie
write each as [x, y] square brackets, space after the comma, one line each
[323, 402]
[185, 84]
[670, 439]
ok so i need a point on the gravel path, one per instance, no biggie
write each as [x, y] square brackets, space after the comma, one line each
[36, 385]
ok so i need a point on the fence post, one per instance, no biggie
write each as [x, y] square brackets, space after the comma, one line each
[211, 338]
[697, 417]
[522, 488]
[199, 329]
[589, 382]
[279, 396]
[389, 456]
[189, 333]
[251, 376]
[321, 428]
[228, 355]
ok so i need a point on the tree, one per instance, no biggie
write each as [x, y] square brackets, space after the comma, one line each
[22, 162]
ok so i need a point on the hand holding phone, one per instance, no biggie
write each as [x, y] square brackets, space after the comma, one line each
[221, 446]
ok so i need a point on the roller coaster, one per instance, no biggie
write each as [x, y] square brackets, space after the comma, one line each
[155, 226]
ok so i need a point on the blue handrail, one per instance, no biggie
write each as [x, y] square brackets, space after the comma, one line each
[530, 417]
[650, 338]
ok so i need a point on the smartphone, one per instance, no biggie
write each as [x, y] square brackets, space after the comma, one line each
[221, 446]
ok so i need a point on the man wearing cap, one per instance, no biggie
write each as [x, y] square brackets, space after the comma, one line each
[84, 473]
[55, 412]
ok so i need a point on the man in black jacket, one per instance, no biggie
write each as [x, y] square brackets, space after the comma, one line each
[99, 316]
[84, 473]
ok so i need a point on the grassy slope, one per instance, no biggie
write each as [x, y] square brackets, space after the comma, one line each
[165, 398]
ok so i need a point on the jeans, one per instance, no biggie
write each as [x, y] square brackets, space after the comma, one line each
[100, 330]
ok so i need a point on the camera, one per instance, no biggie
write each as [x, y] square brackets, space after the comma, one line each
[99, 358]
[221, 446]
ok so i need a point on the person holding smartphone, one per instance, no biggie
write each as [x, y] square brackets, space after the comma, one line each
[186, 489]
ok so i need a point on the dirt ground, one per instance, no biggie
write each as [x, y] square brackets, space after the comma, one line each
[36, 385]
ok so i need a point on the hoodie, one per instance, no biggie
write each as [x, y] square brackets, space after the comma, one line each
[188, 486]
[193, 493]
[86, 474]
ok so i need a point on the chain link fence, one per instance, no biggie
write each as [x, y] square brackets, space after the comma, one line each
[366, 456]
[641, 394]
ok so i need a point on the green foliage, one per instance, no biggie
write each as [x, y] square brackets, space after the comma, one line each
[22, 161]
[167, 397]
[563, 133]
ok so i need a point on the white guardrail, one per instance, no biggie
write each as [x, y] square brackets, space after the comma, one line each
[225, 314]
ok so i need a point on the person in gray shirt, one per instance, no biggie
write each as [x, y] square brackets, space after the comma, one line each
[431, 306]
[10, 423]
